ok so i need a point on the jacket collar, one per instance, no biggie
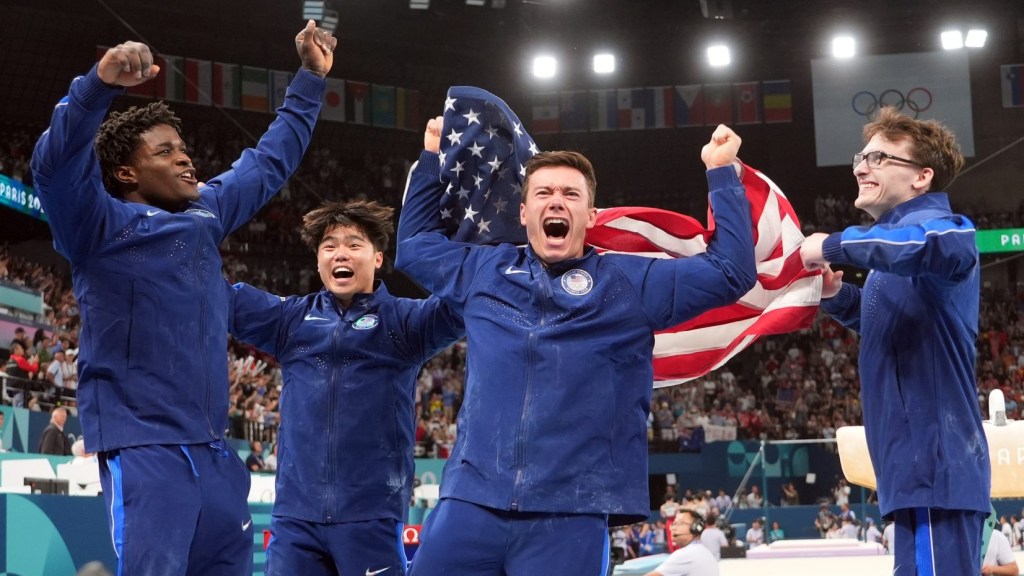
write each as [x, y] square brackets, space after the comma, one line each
[927, 201]
[361, 303]
[559, 267]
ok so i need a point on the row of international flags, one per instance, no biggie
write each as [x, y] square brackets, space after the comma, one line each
[646, 108]
[256, 89]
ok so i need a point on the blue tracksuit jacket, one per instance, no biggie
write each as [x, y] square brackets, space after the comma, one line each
[918, 320]
[345, 451]
[152, 362]
[558, 390]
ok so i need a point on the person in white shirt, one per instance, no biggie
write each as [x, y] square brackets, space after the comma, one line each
[691, 558]
[755, 534]
[871, 533]
[887, 534]
[999, 559]
[713, 538]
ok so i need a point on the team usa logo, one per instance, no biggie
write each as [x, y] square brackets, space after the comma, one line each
[577, 282]
[366, 322]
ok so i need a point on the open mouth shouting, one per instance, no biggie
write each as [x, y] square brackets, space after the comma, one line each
[556, 228]
[342, 272]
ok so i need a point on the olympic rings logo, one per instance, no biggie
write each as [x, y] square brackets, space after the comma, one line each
[918, 100]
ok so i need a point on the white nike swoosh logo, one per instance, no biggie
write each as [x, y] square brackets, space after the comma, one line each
[511, 270]
[368, 573]
[311, 317]
[246, 525]
[152, 212]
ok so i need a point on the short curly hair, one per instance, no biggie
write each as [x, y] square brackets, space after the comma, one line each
[372, 217]
[932, 144]
[119, 137]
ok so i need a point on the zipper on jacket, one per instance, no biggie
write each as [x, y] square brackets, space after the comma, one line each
[204, 360]
[520, 450]
[335, 356]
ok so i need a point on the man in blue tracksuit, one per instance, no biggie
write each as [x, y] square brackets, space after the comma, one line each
[552, 444]
[142, 235]
[350, 355]
[918, 320]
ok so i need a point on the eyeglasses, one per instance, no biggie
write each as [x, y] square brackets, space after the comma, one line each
[874, 158]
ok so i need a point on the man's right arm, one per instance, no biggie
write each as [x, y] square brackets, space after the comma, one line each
[65, 169]
[255, 316]
[424, 252]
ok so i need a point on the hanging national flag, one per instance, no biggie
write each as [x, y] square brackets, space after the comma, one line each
[407, 109]
[662, 111]
[383, 101]
[170, 83]
[778, 101]
[785, 298]
[631, 109]
[226, 85]
[483, 152]
[689, 101]
[1012, 76]
[573, 115]
[748, 102]
[255, 89]
[334, 100]
[545, 113]
[718, 104]
[484, 149]
[603, 110]
[357, 102]
[279, 81]
[198, 81]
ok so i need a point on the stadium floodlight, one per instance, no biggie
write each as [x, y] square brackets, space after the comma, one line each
[952, 40]
[545, 67]
[976, 38]
[718, 55]
[475, 2]
[604, 63]
[844, 47]
[313, 9]
[419, 4]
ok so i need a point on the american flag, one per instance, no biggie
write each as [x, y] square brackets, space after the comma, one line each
[484, 149]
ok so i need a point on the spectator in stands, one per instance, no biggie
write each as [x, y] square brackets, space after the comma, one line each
[53, 440]
[918, 316]
[669, 508]
[790, 496]
[58, 374]
[690, 558]
[254, 461]
[755, 534]
[350, 355]
[20, 338]
[754, 499]
[18, 365]
[270, 462]
[126, 209]
[776, 533]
